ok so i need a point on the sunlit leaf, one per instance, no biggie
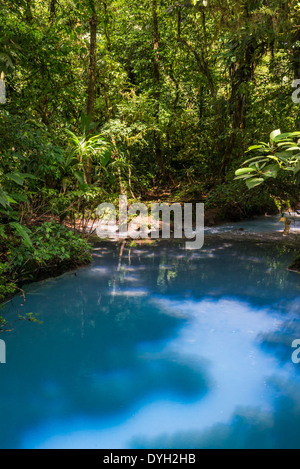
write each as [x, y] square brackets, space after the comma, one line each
[242, 171]
[251, 183]
[275, 134]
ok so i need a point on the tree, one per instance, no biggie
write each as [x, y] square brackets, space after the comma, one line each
[92, 59]
[87, 146]
[156, 77]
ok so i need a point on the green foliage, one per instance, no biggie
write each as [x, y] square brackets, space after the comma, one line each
[225, 72]
[171, 97]
[23, 232]
[53, 247]
[27, 254]
[30, 317]
[85, 147]
[7, 287]
[280, 155]
[89, 150]
[232, 202]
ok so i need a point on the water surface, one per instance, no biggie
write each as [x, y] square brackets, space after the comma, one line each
[157, 347]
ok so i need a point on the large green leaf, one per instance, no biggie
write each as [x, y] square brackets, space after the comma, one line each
[23, 232]
[4, 201]
[79, 176]
[251, 183]
[242, 171]
[274, 134]
[16, 177]
[271, 171]
[256, 159]
[244, 177]
[288, 135]
[19, 178]
[15, 198]
[257, 147]
[106, 157]
[11, 200]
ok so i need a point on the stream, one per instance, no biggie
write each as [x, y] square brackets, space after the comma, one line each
[153, 346]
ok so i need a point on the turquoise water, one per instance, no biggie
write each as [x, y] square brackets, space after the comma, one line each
[259, 225]
[157, 347]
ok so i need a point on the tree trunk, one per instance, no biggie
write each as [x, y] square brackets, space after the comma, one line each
[295, 58]
[52, 10]
[28, 13]
[241, 73]
[156, 76]
[91, 79]
[92, 61]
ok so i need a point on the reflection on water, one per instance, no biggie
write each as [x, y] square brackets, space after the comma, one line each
[266, 224]
[156, 347]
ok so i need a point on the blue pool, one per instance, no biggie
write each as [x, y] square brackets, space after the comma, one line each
[153, 346]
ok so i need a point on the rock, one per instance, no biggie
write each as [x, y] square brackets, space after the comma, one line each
[295, 267]
[212, 217]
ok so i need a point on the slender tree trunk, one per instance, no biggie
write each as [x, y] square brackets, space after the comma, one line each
[179, 20]
[28, 13]
[156, 76]
[92, 61]
[295, 58]
[156, 45]
[205, 69]
[52, 10]
[106, 28]
[106, 83]
[241, 73]
[91, 79]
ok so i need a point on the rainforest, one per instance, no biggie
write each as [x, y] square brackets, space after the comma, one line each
[157, 103]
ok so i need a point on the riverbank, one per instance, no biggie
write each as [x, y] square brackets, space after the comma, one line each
[221, 231]
[264, 229]
[51, 250]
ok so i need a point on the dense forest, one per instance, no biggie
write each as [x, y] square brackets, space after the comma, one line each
[158, 100]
